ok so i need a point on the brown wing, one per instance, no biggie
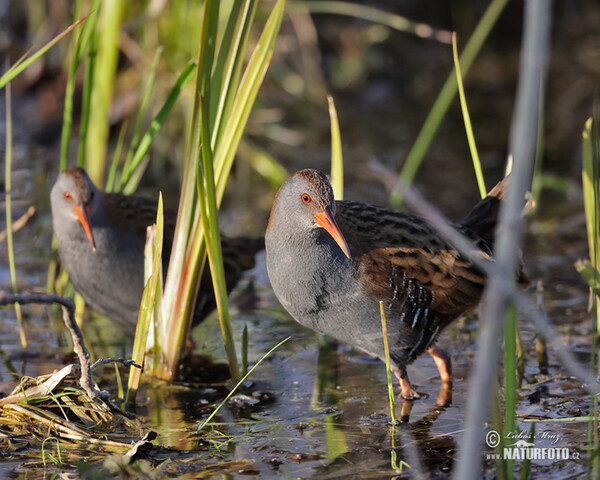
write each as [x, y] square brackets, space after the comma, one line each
[136, 213]
[399, 251]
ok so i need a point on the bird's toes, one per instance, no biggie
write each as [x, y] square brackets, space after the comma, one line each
[409, 394]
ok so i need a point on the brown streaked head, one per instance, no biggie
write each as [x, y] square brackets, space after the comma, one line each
[304, 202]
[72, 197]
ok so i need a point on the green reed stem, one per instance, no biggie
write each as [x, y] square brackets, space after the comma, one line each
[337, 160]
[389, 19]
[591, 196]
[127, 183]
[242, 380]
[442, 103]
[8, 150]
[79, 45]
[154, 246]
[25, 61]
[86, 95]
[387, 362]
[467, 119]
[228, 66]
[142, 109]
[245, 350]
[111, 14]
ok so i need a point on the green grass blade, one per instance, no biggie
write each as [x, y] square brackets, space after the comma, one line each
[79, 45]
[442, 103]
[182, 283]
[154, 277]
[143, 108]
[86, 95]
[590, 270]
[388, 369]
[467, 119]
[591, 190]
[245, 350]
[242, 380]
[114, 165]
[205, 183]
[337, 160]
[127, 185]
[111, 14]
[264, 164]
[8, 211]
[245, 98]
[208, 204]
[375, 15]
[18, 68]
[228, 65]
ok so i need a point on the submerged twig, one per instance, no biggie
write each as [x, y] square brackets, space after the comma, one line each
[68, 309]
[124, 361]
[19, 223]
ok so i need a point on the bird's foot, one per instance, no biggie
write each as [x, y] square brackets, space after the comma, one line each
[407, 393]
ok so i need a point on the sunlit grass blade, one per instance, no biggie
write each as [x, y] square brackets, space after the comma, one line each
[264, 164]
[390, 19]
[591, 188]
[86, 94]
[114, 164]
[154, 244]
[242, 380]
[337, 161]
[189, 250]
[591, 197]
[79, 45]
[245, 98]
[388, 369]
[228, 65]
[135, 137]
[8, 205]
[209, 209]
[444, 99]
[467, 119]
[127, 185]
[23, 63]
[109, 23]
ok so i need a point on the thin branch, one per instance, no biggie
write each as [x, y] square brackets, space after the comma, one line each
[68, 309]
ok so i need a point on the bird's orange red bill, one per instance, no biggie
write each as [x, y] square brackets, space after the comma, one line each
[325, 219]
[83, 214]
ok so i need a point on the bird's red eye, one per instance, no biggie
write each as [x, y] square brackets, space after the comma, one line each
[306, 198]
[67, 195]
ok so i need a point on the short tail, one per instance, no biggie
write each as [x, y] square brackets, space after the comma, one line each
[482, 219]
